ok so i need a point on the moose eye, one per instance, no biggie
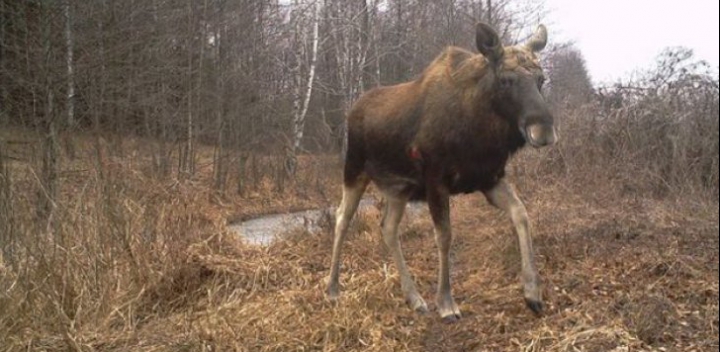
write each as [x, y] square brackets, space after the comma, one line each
[540, 81]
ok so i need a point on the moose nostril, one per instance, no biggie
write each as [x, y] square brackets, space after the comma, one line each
[535, 133]
[541, 135]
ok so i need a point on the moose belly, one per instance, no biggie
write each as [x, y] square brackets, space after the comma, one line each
[471, 182]
[407, 179]
[475, 177]
[400, 179]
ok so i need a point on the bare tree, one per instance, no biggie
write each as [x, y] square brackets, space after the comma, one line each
[246, 77]
[302, 100]
[4, 43]
[569, 81]
[70, 65]
[47, 192]
[349, 54]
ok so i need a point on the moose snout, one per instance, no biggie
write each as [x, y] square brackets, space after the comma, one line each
[541, 135]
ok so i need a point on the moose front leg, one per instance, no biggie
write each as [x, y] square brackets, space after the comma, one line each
[504, 197]
[439, 205]
[393, 213]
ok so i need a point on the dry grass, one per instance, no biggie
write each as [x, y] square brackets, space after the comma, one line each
[134, 262]
[130, 263]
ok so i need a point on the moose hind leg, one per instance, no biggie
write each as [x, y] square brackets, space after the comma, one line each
[393, 213]
[348, 206]
[504, 197]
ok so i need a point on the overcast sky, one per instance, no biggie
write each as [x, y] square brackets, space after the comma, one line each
[618, 37]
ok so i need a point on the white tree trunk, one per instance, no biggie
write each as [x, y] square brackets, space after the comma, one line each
[301, 111]
[351, 54]
[70, 66]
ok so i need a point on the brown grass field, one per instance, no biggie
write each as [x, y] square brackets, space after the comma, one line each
[132, 263]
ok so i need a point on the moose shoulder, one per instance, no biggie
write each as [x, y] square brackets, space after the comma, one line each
[450, 131]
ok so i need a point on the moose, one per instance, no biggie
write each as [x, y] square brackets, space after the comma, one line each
[450, 131]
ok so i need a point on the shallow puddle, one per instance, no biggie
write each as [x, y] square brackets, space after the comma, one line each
[265, 229]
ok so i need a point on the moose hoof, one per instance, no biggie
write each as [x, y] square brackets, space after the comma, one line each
[535, 306]
[333, 294]
[418, 305]
[451, 318]
[448, 310]
[421, 309]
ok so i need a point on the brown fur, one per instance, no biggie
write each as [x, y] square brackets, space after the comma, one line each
[448, 115]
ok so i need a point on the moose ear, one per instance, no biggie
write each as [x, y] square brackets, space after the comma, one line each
[488, 42]
[538, 40]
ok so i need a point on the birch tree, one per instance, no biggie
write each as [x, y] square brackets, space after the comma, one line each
[351, 54]
[302, 101]
[70, 97]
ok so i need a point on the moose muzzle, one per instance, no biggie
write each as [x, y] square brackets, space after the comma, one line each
[540, 135]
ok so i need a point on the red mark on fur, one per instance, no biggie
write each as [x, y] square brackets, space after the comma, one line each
[415, 153]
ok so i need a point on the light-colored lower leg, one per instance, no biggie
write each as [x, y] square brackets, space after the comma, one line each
[343, 216]
[505, 198]
[440, 211]
[392, 215]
